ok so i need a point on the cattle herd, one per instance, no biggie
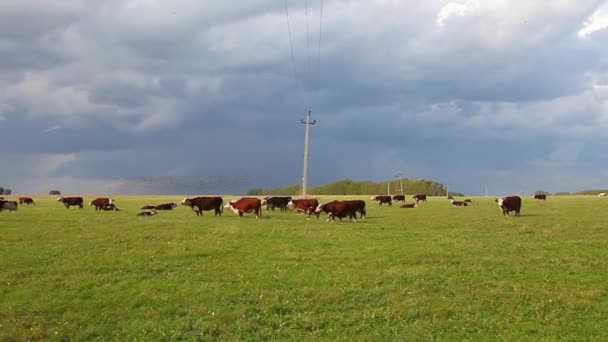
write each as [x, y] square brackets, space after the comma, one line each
[252, 205]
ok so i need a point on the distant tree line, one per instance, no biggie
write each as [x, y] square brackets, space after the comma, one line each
[350, 187]
[5, 191]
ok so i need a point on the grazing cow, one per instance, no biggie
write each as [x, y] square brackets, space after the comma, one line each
[602, 194]
[509, 203]
[356, 205]
[542, 197]
[419, 197]
[468, 200]
[280, 202]
[459, 203]
[200, 204]
[246, 205]
[101, 202]
[147, 212]
[307, 205]
[450, 197]
[110, 207]
[8, 205]
[339, 209]
[399, 198]
[71, 201]
[165, 206]
[409, 205]
[26, 200]
[148, 207]
[382, 199]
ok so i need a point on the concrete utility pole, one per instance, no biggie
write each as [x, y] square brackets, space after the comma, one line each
[307, 124]
[400, 190]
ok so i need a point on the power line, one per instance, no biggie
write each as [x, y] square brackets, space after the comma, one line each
[293, 57]
[319, 47]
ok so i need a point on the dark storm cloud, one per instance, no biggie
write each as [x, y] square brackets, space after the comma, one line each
[157, 96]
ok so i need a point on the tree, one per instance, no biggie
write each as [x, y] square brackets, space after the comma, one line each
[1, 191]
[255, 192]
[7, 191]
[54, 192]
[541, 192]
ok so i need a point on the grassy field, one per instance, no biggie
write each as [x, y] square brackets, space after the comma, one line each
[434, 272]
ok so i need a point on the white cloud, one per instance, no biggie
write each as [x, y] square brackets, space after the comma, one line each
[455, 9]
[596, 22]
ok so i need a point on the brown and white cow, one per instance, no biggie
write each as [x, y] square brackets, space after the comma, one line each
[71, 201]
[166, 206]
[409, 205]
[304, 205]
[419, 197]
[542, 197]
[272, 202]
[399, 198]
[382, 199]
[8, 205]
[357, 205]
[101, 202]
[508, 204]
[246, 205]
[147, 212]
[468, 200]
[459, 203]
[339, 209]
[205, 203]
[26, 200]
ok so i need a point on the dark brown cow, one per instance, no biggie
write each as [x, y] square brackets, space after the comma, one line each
[101, 202]
[540, 197]
[71, 201]
[280, 202]
[409, 205]
[8, 205]
[399, 198]
[459, 203]
[110, 207]
[468, 200]
[339, 209]
[382, 199]
[200, 204]
[508, 204]
[305, 205]
[419, 197]
[165, 206]
[148, 207]
[26, 200]
[246, 205]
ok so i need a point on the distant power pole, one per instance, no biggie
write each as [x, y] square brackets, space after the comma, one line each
[447, 191]
[307, 125]
[486, 190]
[400, 190]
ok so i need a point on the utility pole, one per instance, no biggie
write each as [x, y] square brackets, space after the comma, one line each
[388, 187]
[486, 190]
[447, 191]
[307, 124]
[400, 191]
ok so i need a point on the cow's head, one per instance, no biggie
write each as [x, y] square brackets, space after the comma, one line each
[173, 204]
[186, 201]
[291, 204]
[320, 208]
[265, 201]
[500, 201]
[90, 203]
[60, 198]
[373, 197]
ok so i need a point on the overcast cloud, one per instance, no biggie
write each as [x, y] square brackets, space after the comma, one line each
[195, 96]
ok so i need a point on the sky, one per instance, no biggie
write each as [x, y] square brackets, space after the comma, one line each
[198, 96]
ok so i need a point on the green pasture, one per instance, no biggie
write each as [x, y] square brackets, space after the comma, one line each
[434, 272]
